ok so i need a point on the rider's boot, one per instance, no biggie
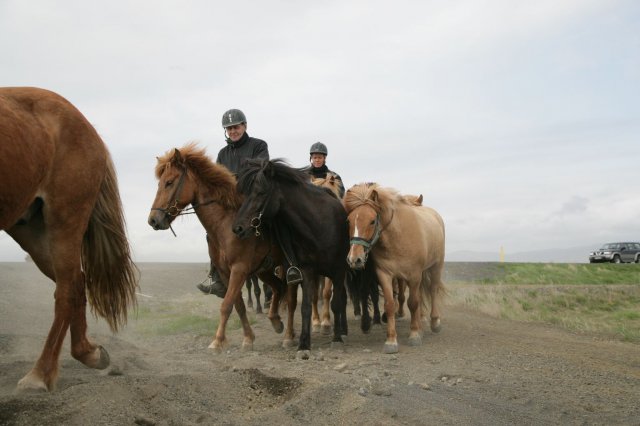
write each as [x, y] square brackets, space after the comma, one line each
[215, 286]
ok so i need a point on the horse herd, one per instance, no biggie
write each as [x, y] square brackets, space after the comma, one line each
[59, 200]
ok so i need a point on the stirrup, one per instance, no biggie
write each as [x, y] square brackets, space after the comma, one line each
[294, 275]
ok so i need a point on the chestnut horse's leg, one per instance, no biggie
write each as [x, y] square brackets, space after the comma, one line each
[292, 304]
[70, 301]
[315, 316]
[386, 281]
[414, 303]
[327, 291]
[234, 292]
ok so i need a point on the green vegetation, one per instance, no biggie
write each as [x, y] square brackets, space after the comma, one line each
[185, 317]
[602, 299]
[542, 273]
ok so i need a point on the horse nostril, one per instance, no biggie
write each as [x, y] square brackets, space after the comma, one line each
[152, 222]
[238, 229]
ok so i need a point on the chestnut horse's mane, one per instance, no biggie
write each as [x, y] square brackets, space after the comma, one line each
[214, 176]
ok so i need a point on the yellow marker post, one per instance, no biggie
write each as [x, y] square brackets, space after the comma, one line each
[501, 254]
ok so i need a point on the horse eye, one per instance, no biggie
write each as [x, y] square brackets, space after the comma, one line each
[168, 183]
[373, 222]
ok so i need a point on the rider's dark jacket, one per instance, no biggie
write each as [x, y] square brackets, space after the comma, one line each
[321, 173]
[233, 155]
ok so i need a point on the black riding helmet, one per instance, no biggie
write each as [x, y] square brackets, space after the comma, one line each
[318, 148]
[233, 117]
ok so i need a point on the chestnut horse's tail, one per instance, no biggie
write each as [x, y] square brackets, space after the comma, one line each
[111, 276]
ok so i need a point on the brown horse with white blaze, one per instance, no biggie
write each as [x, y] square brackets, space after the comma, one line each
[407, 242]
[59, 200]
[187, 176]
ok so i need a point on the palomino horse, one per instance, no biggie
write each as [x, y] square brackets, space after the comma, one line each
[187, 176]
[281, 201]
[59, 200]
[399, 288]
[407, 242]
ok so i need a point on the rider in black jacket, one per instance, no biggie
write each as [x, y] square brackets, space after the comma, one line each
[318, 168]
[240, 147]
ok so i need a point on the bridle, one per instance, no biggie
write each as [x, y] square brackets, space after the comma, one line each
[368, 243]
[256, 221]
[173, 209]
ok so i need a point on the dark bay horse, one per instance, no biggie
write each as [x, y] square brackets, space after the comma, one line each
[407, 242]
[324, 285]
[187, 176]
[59, 200]
[280, 200]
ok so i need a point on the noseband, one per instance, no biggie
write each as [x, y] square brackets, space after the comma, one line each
[367, 244]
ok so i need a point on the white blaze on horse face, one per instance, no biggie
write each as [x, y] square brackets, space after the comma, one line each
[356, 234]
[356, 251]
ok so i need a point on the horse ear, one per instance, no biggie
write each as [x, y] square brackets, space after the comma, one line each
[374, 196]
[177, 157]
[332, 179]
[419, 200]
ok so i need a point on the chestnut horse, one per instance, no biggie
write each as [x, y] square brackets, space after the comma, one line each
[407, 242]
[59, 200]
[187, 176]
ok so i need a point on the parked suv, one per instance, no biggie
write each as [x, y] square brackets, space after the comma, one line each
[616, 253]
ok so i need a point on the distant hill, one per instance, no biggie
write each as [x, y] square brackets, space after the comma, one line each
[564, 255]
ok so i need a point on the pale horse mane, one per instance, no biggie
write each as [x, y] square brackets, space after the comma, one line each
[331, 182]
[383, 200]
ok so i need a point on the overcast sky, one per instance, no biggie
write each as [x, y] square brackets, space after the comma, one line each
[519, 121]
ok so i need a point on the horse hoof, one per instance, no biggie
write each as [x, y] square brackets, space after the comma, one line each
[287, 343]
[315, 328]
[435, 325]
[246, 347]
[104, 360]
[278, 326]
[326, 329]
[215, 347]
[390, 348]
[305, 354]
[358, 317]
[337, 345]
[32, 383]
[415, 340]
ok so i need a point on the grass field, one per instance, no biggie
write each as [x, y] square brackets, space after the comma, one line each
[603, 299]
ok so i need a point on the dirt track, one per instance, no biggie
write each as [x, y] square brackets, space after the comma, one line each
[478, 370]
